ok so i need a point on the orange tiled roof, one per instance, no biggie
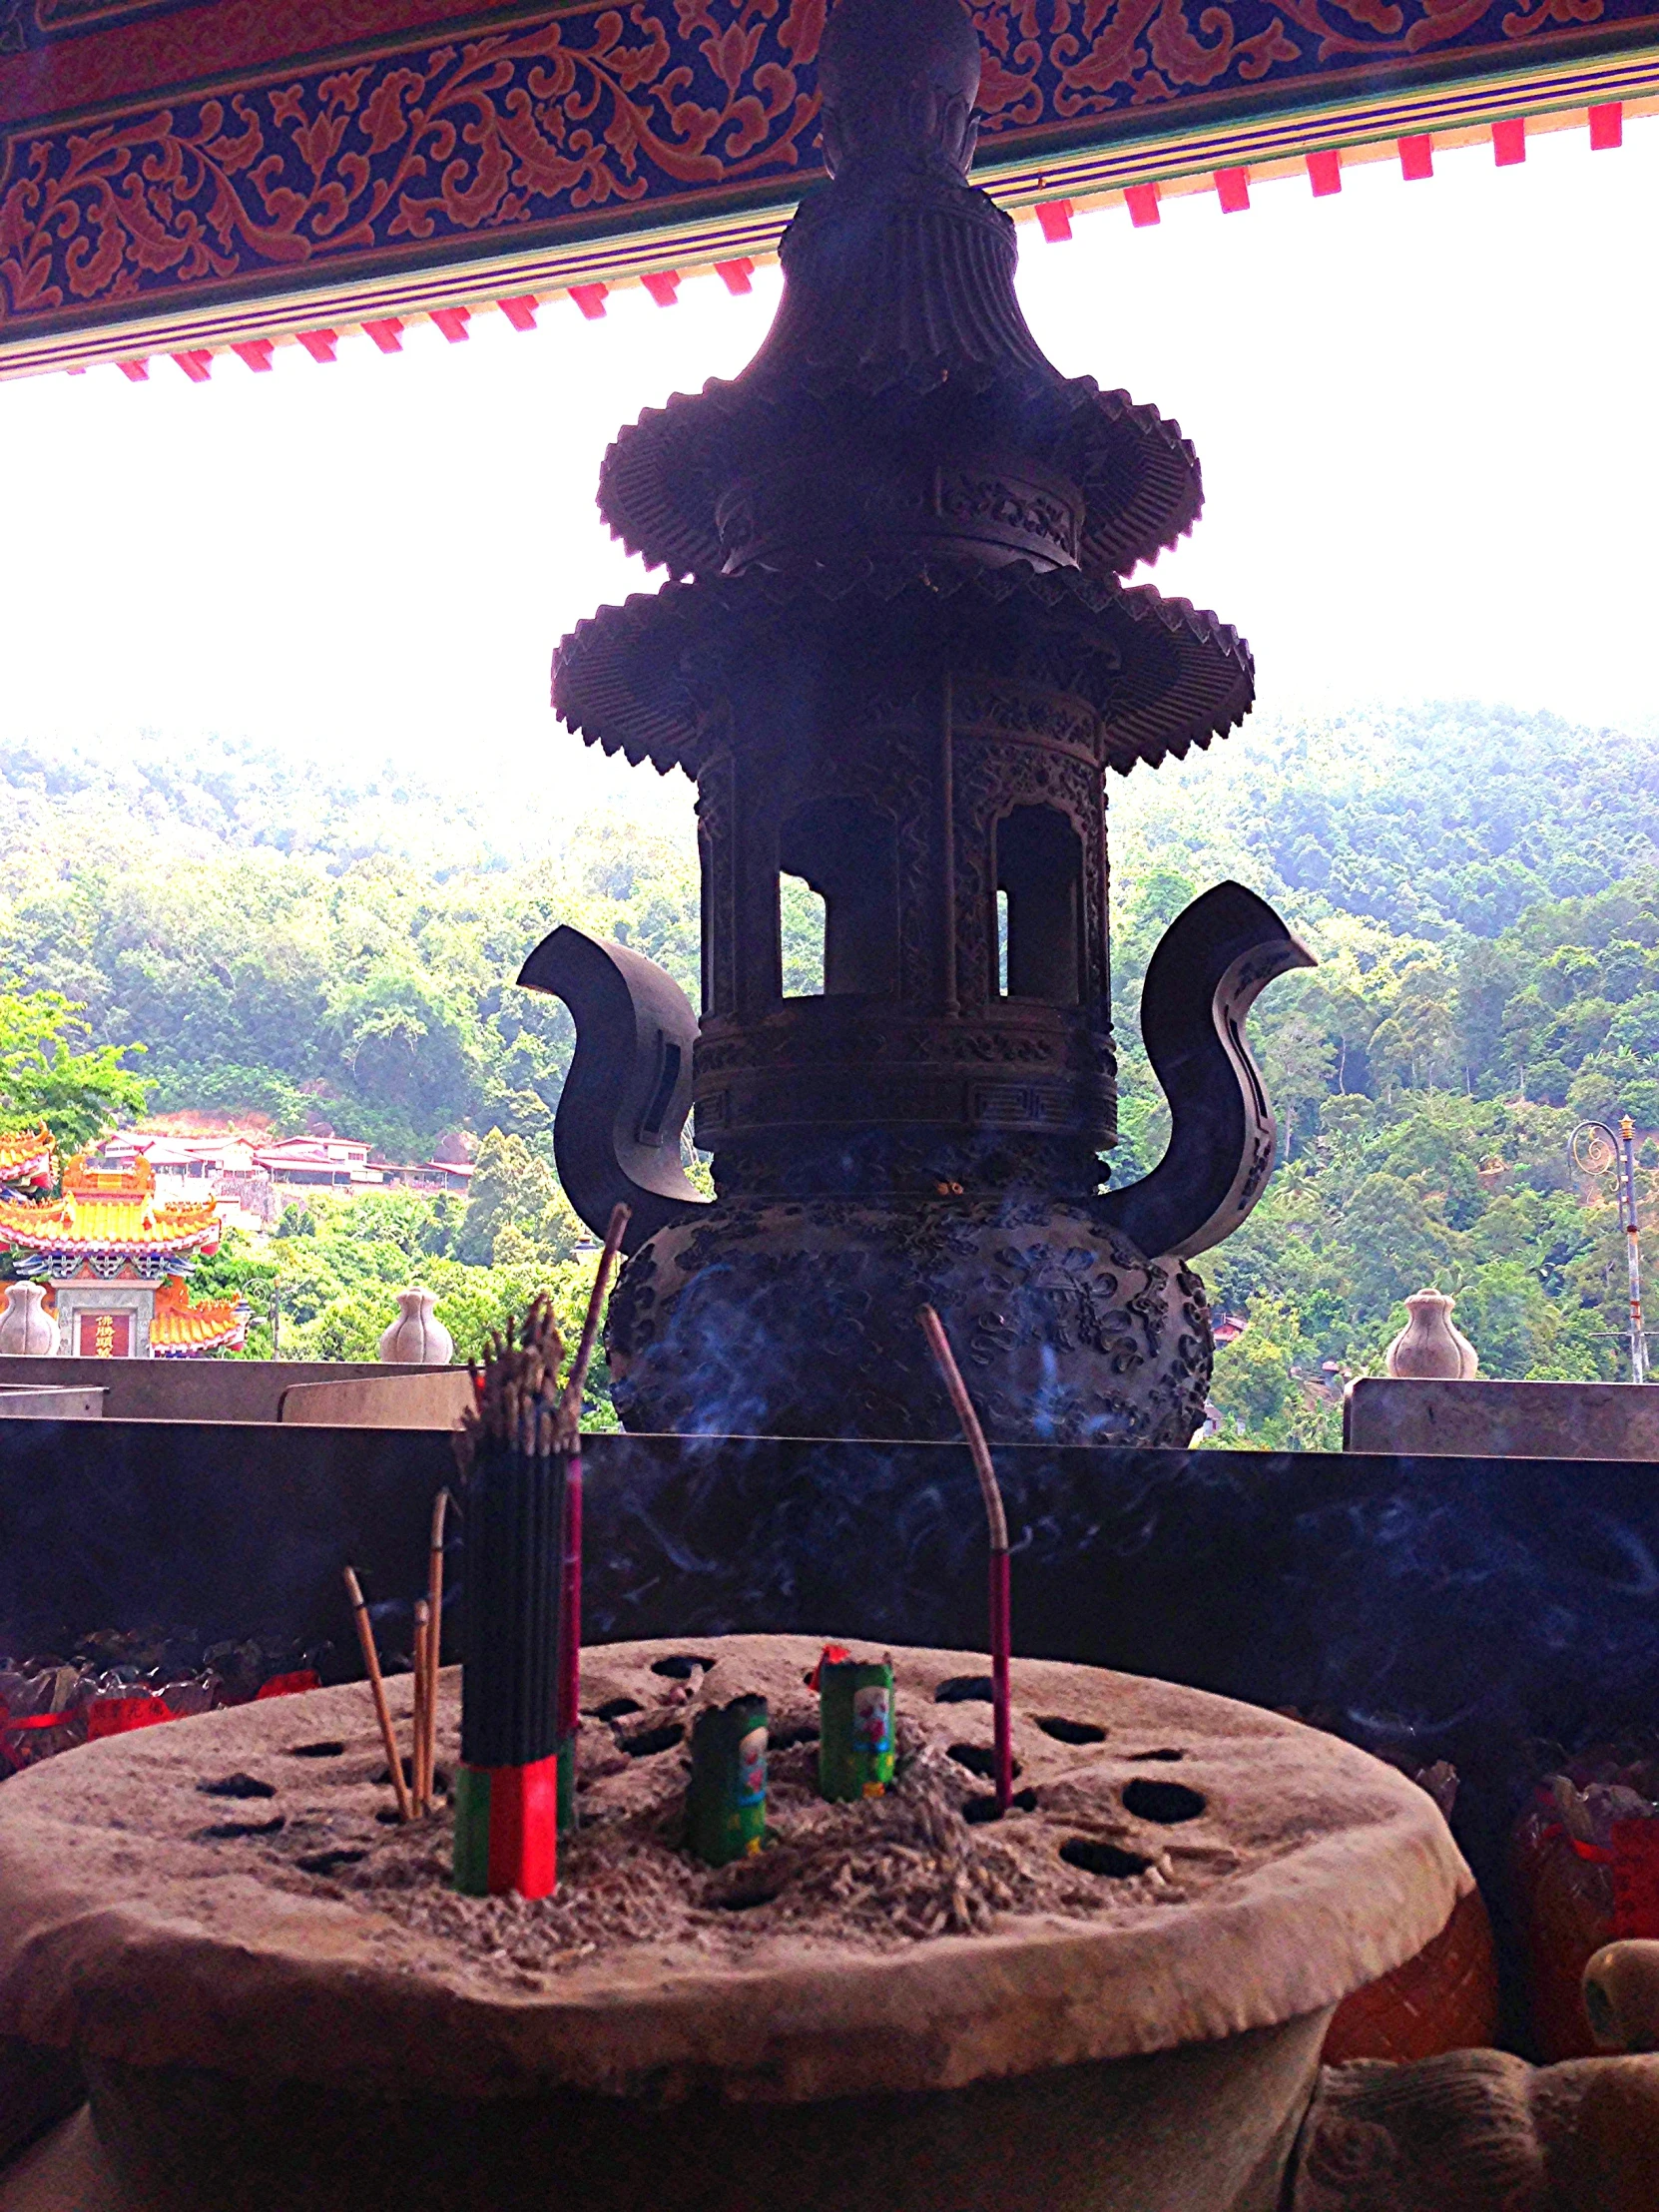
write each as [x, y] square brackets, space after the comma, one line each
[28, 1156]
[109, 1210]
[180, 1330]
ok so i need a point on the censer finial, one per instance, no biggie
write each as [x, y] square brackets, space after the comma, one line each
[898, 83]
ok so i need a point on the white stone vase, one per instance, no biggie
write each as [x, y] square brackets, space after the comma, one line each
[1430, 1349]
[416, 1339]
[25, 1327]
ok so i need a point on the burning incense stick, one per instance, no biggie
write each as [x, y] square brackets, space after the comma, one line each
[506, 1793]
[428, 1751]
[382, 1713]
[577, 1381]
[997, 1521]
[570, 1419]
[422, 1700]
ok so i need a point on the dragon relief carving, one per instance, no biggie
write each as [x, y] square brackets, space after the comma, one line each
[1106, 1345]
[714, 851]
[1041, 717]
[1020, 509]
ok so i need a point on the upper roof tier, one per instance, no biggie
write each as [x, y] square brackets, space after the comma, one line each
[113, 1213]
[899, 389]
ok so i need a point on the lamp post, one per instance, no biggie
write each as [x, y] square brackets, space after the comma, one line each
[1594, 1149]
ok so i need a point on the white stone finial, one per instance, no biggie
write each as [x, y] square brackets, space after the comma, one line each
[1430, 1349]
[27, 1329]
[417, 1338]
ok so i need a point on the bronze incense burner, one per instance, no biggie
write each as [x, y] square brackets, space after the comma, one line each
[898, 656]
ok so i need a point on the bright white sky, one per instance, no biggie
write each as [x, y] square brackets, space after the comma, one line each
[1425, 413]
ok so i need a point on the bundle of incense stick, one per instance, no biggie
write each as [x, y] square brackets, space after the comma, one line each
[570, 1621]
[506, 1797]
[1001, 1613]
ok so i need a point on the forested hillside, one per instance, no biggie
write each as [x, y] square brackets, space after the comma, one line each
[1481, 890]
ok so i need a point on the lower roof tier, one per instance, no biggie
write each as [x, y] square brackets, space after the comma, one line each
[655, 679]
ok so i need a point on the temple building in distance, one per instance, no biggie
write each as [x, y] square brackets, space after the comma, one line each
[112, 1259]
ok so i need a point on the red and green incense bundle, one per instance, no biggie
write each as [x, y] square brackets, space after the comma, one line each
[507, 1791]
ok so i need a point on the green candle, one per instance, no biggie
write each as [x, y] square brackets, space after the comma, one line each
[726, 1804]
[856, 1728]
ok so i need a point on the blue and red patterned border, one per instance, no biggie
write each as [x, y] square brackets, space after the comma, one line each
[598, 127]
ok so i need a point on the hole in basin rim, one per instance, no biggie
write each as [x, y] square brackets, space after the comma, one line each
[1066, 1730]
[330, 1862]
[978, 1759]
[966, 1689]
[228, 1831]
[646, 1741]
[317, 1751]
[680, 1666]
[782, 1735]
[438, 1777]
[1165, 1801]
[237, 1786]
[616, 1708]
[1108, 1860]
[977, 1809]
[1135, 1756]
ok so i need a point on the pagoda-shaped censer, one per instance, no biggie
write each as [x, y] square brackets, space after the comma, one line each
[897, 659]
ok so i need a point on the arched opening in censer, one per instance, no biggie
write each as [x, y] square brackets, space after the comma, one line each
[847, 854]
[1040, 872]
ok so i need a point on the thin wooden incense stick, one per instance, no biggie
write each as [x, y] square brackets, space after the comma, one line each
[422, 1700]
[570, 1424]
[435, 1634]
[578, 1377]
[383, 1712]
[1001, 1614]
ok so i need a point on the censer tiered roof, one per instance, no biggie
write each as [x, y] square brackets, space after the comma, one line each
[900, 452]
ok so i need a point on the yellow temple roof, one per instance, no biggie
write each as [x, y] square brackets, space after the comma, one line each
[28, 1157]
[112, 1211]
[181, 1331]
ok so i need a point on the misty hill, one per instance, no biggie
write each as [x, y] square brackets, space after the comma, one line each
[321, 941]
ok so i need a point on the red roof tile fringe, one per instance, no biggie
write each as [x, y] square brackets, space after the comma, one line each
[28, 1159]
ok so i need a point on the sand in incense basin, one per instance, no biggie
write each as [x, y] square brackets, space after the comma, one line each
[226, 1894]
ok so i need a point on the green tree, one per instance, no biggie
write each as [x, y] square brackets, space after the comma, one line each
[240, 1270]
[49, 1072]
[517, 1214]
[1263, 1388]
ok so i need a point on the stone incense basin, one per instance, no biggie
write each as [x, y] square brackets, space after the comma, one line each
[1111, 2001]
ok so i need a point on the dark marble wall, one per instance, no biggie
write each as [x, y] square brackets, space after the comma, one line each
[1391, 1595]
